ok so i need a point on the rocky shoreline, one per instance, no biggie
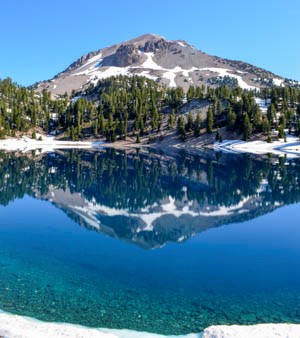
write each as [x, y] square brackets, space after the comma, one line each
[289, 147]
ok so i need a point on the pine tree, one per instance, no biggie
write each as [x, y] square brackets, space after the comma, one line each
[197, 125]
[181, 127]
[282, 121]
[231, 118]
[281, 133]
[257, 119]
[190, 93]
[271, 113]
[247, 128]
[171, 122]
[266, 128]
[190, 123]
[218, 107]
[209, 121]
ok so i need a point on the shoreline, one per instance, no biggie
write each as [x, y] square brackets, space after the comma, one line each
[290, 148]
[12, 326]
[46, 144]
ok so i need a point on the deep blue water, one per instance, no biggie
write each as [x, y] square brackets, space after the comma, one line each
[226, 251]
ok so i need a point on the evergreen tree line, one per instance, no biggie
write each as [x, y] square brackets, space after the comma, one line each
[120, 106]
[22, 109]
[238, 111]
[121, 180]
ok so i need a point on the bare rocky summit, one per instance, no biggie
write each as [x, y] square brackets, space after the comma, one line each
[173, 63]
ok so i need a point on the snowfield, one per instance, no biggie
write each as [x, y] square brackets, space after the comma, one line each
[47, 144]
[97, 72]
[13, 326]
[290, 148]
[160, 62]
[227, 72]
[253, 331]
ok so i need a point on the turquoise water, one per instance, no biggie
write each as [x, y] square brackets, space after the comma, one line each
[151, 243]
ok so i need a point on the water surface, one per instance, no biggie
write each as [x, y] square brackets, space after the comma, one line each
[164, 244]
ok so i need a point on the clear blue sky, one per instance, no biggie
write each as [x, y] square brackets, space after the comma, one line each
[40, 38]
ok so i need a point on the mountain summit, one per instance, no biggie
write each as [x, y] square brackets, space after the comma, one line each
[173, 63]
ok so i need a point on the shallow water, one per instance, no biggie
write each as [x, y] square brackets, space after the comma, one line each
[149, 243]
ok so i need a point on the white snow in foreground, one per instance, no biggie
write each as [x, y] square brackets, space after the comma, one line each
[253, 331]
[47, 144]
[12, 326]
[227, 72]
[290, 148]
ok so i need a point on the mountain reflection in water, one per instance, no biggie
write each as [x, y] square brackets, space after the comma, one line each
[151, 199]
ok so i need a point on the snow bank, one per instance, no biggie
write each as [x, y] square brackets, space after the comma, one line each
[290, 148]
[13, 326]
[47, 144]
[253, 331]
[227, 72]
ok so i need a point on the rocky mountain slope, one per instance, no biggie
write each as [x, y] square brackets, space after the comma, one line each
[173, 63]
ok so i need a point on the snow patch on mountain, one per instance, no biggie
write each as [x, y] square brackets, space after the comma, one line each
[227, 72]
[278, 82]
[98, 72]
[149, 76]
[150, 63]
[108, 72]
[181, 44]
[174, 63]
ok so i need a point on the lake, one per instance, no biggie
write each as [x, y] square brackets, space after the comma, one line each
[167, 244]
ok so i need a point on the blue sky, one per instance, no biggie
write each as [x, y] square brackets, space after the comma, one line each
[41, 38]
